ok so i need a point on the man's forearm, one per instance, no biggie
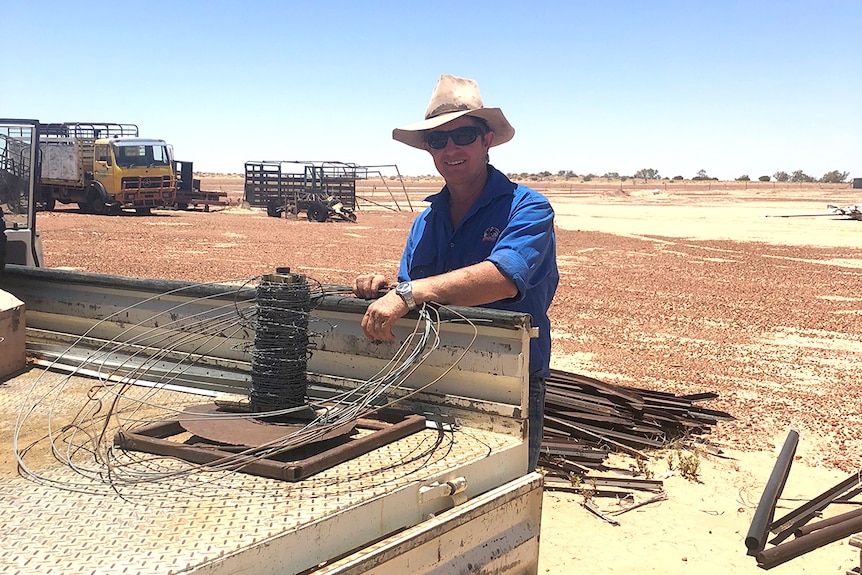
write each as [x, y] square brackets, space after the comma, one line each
[473, 285]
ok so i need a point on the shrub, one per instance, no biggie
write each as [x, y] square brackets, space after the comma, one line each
[834, 177]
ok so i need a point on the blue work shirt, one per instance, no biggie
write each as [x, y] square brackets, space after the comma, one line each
[510, 225]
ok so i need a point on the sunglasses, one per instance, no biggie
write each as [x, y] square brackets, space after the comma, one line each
[463, 136]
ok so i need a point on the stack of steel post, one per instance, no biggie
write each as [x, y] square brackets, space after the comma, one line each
[585, 418]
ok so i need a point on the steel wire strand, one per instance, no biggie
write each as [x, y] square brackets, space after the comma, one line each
[125, 377]
[309, 433]
[357, 408]
[369, 393]
[28, 406]
[23, 412]
[332, 419]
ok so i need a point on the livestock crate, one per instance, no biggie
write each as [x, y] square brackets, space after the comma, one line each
[289, 186]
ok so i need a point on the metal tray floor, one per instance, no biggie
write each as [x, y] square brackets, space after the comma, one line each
[173, 526]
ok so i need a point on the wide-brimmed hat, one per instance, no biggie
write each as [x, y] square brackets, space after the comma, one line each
[452, 98]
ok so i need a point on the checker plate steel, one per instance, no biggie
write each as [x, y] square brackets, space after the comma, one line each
[208, 515]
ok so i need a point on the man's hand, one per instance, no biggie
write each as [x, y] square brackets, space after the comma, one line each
[381, 315]
[368, 286]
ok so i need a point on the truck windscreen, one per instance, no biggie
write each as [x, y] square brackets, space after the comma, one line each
[136, 155]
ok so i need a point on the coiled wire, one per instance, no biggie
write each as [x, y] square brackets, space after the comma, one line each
[280, 354]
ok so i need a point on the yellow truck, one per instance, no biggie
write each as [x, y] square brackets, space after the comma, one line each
[104, 168]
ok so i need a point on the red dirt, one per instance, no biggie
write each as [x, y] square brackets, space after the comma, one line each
[769, 327]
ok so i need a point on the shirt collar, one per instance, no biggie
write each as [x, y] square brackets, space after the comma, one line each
[497, 185]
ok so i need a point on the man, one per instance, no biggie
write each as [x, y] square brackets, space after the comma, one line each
[483, 241]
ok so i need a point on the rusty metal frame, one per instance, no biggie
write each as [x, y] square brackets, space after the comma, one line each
[385, 428]
[804, 513]
[786, 551]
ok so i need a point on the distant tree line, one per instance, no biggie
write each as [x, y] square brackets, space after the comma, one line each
[833, 177]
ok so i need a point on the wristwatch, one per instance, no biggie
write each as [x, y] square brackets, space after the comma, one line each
[405, 290]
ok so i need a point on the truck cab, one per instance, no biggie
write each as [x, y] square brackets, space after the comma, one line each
[135, 172]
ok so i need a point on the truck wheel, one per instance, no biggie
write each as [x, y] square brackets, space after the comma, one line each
[49, 204]
[317, 212]
[96, 199]
[95, 205]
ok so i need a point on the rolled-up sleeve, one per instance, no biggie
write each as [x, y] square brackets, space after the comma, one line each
[527, 244]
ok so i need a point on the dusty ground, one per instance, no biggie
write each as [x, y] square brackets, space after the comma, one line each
[674, 289]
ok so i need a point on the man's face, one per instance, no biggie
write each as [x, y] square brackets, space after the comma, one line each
[461, 164]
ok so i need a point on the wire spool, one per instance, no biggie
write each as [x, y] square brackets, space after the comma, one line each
[280, 354]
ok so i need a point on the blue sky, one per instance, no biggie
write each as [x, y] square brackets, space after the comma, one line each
[729, 87]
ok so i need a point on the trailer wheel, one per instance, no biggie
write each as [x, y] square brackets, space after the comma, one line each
[317, 212]
[274, 209]
[145, 211]
[49, 204]
[182, 206]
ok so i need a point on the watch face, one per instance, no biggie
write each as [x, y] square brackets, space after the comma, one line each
[405, 291]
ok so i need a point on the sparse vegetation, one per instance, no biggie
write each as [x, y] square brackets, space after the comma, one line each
[683, 458]
[647, 174]
[641, 468]
[801, 177]
[689, 465]
[702, 175]
[834, 177]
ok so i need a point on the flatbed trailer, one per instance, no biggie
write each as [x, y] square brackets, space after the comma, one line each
[291, 187]
[189, 193]
[453, 497]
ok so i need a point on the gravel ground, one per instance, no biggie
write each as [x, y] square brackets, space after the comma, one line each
[775, 330]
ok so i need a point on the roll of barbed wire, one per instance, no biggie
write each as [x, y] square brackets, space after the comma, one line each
[280, 354]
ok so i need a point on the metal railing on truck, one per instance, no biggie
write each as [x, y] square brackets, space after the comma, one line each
[94, 130]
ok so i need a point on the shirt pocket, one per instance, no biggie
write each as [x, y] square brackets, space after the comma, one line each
[426, 260]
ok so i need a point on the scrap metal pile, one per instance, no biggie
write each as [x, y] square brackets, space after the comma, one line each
[808, 535]
[854, 212]
[585, 418]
